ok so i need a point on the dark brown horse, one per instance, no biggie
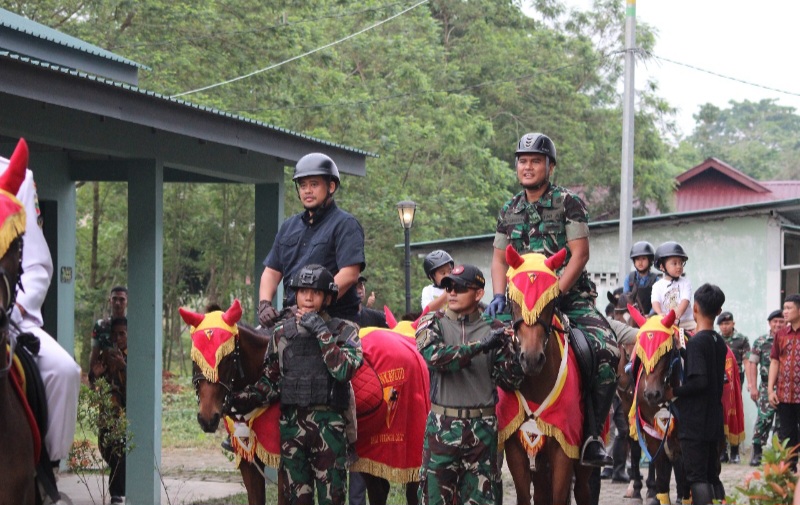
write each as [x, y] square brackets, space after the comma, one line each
[533, 293]
[240, 365]
[17, 448]
[656, 372]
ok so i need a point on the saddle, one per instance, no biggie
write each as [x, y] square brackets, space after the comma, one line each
[28, 347]
[583, 351]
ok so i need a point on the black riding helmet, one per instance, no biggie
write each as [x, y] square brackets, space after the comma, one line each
[315, 277]
[537, 143]
[434, 260]
[316, 164]
[667, 250]
[643, 248]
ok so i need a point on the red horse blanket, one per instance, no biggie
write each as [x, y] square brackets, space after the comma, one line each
[732, 408]
[392, 402]
[562, 417]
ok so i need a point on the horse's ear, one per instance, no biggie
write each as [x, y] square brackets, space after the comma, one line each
[416, 323]
[611, 298]
[555, 261]
[12, 178]
[191, 318]
[513, 258]
[233, 314]
[669, 319]
[636, 315]
[391, 321]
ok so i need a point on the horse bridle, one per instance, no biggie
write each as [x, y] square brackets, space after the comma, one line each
[198, 376]
[5, 319]
[548, 326]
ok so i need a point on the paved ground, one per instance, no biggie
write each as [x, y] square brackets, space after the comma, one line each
[192, 475]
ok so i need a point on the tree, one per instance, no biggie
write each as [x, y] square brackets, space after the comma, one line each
[758, 138]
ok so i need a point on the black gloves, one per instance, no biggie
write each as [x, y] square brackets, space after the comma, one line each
[267, 313]
[314, 323]
[493, 340]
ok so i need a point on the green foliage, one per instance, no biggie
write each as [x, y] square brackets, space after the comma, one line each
[96, 412]
[441, 94]
[774, 483]
[758, 138]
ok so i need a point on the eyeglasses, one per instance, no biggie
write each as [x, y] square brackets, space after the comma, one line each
[457, 289]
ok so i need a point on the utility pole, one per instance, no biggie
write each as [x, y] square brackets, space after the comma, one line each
[626, 177]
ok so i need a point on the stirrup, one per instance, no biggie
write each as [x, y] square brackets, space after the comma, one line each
[608, 461]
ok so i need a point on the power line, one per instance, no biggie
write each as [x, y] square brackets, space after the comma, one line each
[302, 55]
[710, 72]
[218, 34]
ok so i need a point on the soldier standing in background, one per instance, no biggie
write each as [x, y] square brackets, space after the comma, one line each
[740, 346]
[756, 366]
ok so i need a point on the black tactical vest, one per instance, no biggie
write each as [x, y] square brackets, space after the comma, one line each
[306, 380]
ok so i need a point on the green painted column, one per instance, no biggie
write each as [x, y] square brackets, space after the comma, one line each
[145, 274]
[51, 173]
[268, 219]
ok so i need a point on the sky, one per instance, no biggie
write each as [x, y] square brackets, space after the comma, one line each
[750, 41]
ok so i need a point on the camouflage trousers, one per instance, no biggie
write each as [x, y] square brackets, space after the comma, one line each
[459, 461]
[313, 451]
[766, 415]
[583, 314]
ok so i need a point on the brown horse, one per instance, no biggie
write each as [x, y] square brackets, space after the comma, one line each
[240, 363]
[533, 293]
[17, 439]
[653, 420]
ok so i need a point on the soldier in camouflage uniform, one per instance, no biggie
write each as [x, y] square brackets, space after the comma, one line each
[467, 359]
[545, 218]
[101, 332]
[740, 346]
[758, 365]
[309, 363]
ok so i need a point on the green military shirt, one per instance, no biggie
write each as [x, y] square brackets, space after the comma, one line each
[545, 226]
[759, 355]
[740, 347]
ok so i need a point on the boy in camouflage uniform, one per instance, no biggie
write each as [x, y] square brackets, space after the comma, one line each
[740, 346]
[545, 218]
[467, 359]
[309, 363]
[758, 366]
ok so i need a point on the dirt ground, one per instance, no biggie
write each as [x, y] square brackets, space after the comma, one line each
[207, 473]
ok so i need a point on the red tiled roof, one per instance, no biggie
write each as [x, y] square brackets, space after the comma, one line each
[714, 184]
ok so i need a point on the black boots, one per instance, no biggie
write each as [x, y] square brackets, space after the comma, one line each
[702, 494]
[735, 460]
[597, 405]
[756, 459]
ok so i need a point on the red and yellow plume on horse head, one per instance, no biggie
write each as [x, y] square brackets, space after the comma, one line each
[12, 212]
[213, 337]
[532, 281]
[654, 338]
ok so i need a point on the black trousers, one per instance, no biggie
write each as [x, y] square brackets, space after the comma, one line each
[789, 415]
[700, 461]
[113, 452]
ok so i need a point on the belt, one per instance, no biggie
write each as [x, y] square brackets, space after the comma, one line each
[463, 412]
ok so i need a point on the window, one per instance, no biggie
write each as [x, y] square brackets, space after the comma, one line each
[790, 257]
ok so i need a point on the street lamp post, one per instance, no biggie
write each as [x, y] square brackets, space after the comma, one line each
[406, 209]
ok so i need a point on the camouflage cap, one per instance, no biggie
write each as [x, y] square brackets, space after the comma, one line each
[468, 276]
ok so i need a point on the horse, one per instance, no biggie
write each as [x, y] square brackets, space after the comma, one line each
[625, 390]
[234, 358]
[19, 441]
[539, 451]
[653, 417]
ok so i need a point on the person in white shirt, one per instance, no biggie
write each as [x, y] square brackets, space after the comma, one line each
[437, 265]
[61, 375]
[673, 291]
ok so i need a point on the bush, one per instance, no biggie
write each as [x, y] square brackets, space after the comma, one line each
[773, 483]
